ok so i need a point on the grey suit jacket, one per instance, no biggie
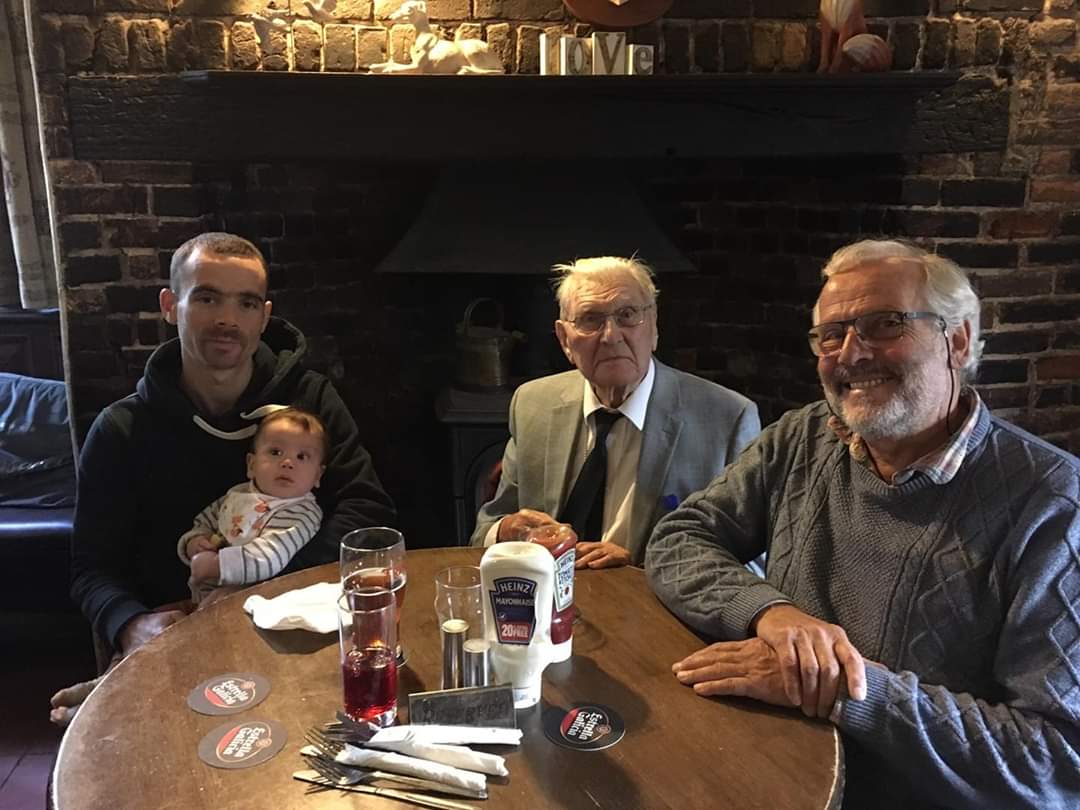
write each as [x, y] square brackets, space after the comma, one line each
[693, 429]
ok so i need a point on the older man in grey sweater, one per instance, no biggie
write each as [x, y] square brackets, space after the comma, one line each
[923, 580]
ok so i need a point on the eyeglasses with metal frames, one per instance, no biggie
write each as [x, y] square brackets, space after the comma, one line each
[875, 327]
[626, 317]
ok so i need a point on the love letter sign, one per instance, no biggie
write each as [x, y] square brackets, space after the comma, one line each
[603, 54]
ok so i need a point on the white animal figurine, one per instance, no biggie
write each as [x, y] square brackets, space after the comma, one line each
[432, 54]
[321, 10]
[265, 26]
[840, 21]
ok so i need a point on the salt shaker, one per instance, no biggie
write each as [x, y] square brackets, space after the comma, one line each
[477, 661]
[453, 650]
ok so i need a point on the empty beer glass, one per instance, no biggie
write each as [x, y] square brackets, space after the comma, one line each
[375, 558]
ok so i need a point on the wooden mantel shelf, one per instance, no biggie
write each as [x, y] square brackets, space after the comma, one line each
[260, 116]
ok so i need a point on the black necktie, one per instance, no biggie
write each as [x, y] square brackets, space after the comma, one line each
[584, 508]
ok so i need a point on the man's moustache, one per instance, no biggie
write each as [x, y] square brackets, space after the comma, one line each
[843, 374]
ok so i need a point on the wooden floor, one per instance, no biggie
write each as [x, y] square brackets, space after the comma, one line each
[40, 655]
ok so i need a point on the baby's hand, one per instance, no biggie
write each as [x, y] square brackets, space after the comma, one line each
[205, 567]
[201, 542]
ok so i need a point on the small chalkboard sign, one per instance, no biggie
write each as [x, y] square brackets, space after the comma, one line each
[476, 706]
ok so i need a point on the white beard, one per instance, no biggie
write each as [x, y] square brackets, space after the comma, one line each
[908, 411]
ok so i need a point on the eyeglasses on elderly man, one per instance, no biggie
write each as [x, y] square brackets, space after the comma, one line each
[589, 323]
[875, 327]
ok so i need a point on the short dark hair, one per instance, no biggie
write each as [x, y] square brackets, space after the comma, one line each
[218, 242]
[308, 421]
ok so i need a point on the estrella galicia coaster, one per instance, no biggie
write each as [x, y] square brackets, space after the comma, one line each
[242, 743]
[229, 693]
[585, 727]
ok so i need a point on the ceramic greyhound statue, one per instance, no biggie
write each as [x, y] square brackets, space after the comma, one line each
[432, 54]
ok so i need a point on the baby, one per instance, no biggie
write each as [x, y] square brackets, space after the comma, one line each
[250, 533]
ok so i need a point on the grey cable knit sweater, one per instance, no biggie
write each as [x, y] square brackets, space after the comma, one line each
[968, 593]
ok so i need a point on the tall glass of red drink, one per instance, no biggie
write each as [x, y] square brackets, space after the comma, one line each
[367, 632]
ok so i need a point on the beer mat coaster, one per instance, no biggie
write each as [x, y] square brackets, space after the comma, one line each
[585, 727]
[229, 693]
[242, 743]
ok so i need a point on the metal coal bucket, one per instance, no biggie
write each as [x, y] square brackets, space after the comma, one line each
[483, 352]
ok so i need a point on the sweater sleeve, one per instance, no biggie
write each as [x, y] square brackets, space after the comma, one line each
[350, 494]
[206, 522]
[263, 557]
[1020, 747]
[103, 544]
[695, 560]
[505, 501]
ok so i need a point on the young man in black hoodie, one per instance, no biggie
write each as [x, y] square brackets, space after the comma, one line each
[154, 459]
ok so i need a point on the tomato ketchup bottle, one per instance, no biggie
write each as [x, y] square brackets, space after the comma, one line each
[561, 540]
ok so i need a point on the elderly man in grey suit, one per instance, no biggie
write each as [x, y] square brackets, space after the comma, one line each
[664, 433]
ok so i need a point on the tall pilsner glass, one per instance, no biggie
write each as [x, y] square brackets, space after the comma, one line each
[368, 667]
[375, 558]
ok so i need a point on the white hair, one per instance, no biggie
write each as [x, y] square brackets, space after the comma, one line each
[569, 278]
[947, 289]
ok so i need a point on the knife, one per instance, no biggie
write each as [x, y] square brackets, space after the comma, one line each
[414, 782]
[314, 778]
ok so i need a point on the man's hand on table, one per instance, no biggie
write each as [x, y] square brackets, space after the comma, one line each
[517, 525]
[748, 668]
[601, 555]
[813, 656]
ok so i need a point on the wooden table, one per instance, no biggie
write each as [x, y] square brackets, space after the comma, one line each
[133, 743]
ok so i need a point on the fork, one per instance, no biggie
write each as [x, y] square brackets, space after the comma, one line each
[336, 773]
[326, 779]
[328, 744]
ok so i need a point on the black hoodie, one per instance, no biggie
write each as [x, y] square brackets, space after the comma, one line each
[151, 463]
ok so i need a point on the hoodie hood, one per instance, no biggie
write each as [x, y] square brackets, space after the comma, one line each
[278, 366]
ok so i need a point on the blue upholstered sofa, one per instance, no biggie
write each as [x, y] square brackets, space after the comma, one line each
[37, 495]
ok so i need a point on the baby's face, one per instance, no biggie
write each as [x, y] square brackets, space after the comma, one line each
[286, 461]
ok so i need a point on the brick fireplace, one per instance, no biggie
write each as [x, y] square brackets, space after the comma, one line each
[755, 209]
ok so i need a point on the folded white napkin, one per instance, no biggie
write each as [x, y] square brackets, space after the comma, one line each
[313, 608]
[457, 756]
[450, 735]
[399, 763]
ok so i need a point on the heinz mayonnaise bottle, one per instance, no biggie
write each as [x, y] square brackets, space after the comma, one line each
[518, 581]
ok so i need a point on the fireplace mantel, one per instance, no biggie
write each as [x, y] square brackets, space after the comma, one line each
[262, 116]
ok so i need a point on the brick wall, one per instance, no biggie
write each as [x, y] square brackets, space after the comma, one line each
[757, 230]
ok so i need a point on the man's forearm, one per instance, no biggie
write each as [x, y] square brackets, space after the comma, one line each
[105, 603]
[103, 548]
[491, 514]
[962, 750]
[698, 578]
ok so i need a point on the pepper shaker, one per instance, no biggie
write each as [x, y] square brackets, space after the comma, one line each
[453, 643]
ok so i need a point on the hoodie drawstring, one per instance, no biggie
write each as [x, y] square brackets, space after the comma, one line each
[242, 433]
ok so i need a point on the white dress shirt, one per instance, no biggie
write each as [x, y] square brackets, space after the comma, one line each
[623, 452]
